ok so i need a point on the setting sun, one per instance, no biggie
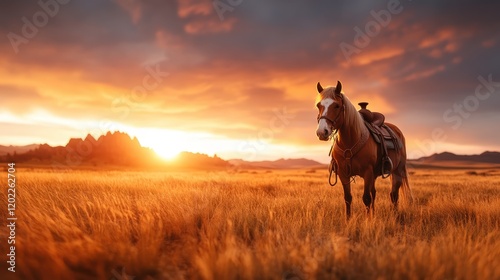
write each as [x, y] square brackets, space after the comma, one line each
[166, 152]
[166, 143]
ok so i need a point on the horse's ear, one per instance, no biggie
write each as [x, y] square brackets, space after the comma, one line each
[338, 89]
[320, 88]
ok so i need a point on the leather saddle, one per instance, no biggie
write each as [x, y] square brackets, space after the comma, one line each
[382, 134]
[374, 118]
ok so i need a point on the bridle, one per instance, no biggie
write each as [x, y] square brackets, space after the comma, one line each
[334, 121]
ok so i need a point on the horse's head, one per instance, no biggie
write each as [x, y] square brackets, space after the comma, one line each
[331, 108]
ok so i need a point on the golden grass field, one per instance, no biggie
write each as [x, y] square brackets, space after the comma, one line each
[252, 225]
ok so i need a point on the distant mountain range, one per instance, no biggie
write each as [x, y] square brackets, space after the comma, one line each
[436, 159]
[16, 149]
[486, 157]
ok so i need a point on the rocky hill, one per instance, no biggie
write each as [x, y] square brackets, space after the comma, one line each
[111, 149]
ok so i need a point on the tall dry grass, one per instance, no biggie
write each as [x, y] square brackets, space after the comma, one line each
[279, 225]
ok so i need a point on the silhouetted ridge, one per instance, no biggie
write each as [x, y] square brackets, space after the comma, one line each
[118, 148]
[485, 157]
[111, 149]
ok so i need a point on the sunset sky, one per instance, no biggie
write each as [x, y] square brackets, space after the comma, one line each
[240, 81]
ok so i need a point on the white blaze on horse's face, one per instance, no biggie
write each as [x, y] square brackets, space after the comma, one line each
[324, 130]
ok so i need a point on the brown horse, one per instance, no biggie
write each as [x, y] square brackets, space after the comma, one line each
[355, 151]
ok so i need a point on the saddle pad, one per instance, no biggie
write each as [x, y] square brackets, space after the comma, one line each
[392, 142]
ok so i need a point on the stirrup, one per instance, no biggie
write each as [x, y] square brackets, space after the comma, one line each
[387, 173]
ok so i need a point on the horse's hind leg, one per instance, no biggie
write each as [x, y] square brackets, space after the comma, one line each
[396, 181]
[373, 192]
[369, 191]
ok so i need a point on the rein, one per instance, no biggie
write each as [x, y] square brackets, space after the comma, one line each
[347, 154]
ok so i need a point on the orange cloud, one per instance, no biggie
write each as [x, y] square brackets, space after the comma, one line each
[440, 36]
[368, 57]
[425, 73]
[188, 8]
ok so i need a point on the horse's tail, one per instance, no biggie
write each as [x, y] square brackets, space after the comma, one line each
[403, 166]
[405, 187]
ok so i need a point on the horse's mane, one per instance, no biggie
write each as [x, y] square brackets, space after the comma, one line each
[353, 119]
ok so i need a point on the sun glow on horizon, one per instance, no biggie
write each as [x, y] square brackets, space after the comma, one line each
[168, 144]
[166, 153]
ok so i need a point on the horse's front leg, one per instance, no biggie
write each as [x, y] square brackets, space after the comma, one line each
[369, 191]
[347, 198]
